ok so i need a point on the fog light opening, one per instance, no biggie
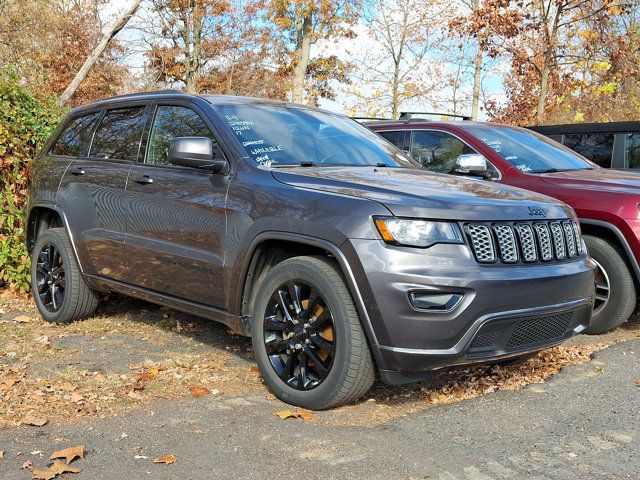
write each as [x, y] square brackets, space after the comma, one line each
[435, 301]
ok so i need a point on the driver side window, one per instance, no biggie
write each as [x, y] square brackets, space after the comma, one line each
[171, 122]
[437, 151]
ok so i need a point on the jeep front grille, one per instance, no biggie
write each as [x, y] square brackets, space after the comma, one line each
[526, 242]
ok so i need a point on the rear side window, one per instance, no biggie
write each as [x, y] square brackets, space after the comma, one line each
[397, 137]
[597, 147]
[118, 135]
[171, 122]
[632, 150]
[75, 137]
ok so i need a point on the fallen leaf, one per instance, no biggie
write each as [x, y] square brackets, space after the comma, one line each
[34, 421]
[22, 319]
[1, 453]
[26, 465]
[57, 468]
[144, 378]
[254, 369]
[167, 459]
[69, 454]
[76, 397]
[305, 415]
[638, 382]
[198, 392]
[140, 457]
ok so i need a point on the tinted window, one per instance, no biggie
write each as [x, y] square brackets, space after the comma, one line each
[597, 147]
[528, 151]
[397, 137]
[279, 135]
[437, 151]
[171, 122]
[118, 135]
[632, 150]
[75, 136]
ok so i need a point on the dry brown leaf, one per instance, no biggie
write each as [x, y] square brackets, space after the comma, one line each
[69, 454]
[254, 369]
[22, 319]
[638, 382]
[27, 465]
[198, 392]
[144, 378]
[1, 453]
[167, 459]
[50, 473]
[305, 415]
[34, 421]
[76, 397]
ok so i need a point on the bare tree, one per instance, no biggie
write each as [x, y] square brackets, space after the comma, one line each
[118, 25]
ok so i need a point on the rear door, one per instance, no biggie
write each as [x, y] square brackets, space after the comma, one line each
[92, 192]
[176, 221]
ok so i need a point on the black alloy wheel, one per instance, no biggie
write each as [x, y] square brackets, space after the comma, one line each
[50, 277]
[299, 335]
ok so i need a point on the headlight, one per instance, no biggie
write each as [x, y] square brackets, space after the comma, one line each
[417, 233]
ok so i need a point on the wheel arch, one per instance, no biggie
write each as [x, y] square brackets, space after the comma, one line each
[611, 233]
[42, 216]
[270, 248]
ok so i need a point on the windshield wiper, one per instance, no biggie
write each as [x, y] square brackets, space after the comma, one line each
[307, 163]
[556, 170]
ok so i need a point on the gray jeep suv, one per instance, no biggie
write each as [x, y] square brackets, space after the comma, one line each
[335, 252]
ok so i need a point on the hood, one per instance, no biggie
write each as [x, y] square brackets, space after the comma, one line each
[602, 179]
[422, 194]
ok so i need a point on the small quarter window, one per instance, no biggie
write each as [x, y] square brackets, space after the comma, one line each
[74, 138]
[118, 135]
[632, 150]
[597, 147]
[171, 122]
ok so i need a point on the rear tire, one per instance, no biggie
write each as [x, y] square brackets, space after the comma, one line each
[58, 289]
[615, 288]
[318, 356]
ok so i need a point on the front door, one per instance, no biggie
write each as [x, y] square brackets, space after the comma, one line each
[176, 223]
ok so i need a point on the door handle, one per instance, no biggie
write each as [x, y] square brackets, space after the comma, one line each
[77, 171]
[143, 179]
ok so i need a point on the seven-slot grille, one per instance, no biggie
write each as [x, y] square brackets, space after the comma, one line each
[527, 242]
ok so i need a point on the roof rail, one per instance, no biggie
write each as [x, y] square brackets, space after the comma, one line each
[138, 94]
[368, 118]
[409, 115]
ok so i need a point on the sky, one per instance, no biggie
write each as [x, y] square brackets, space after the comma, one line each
[344, 49]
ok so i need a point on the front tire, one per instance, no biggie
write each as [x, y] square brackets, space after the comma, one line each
[615, 288]
[59, 291]
[307, 338]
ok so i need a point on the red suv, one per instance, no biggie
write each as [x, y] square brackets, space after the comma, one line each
[606, 201]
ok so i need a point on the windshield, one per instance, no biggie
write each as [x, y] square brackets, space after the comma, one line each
[278, 136]
[529, 151]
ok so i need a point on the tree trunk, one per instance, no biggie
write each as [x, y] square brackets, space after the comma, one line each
[118, 25]
[477, 79]
[303, 51]
[193, 48]
[544, 87]
[477, 74]
[395, 92]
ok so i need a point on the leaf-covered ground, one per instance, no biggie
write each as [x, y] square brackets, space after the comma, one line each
[132, 353]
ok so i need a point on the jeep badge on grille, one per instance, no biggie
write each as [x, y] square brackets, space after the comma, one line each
[538, 212]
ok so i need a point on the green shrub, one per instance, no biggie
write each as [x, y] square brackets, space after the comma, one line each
[26, 121]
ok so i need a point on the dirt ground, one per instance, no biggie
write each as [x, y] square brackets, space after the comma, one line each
[133, 353]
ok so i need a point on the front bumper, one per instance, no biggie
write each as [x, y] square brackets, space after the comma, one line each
[505, 311]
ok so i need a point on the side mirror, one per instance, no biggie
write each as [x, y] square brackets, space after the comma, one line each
[472, 164]
[196, 152]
